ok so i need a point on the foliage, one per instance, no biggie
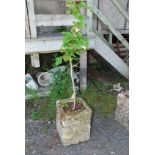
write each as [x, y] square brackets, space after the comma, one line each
[44, 111]
[74, 42]
[103, 103]
[61, 88]
[99, 101]
[34, 94]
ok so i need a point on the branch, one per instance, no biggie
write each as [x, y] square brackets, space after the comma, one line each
[76, 64]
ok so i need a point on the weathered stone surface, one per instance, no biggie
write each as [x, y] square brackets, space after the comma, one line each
[122, 110]
[73, 127]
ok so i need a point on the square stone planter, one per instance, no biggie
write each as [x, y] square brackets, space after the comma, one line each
[73, 127]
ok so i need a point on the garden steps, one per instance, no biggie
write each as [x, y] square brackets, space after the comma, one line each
[111, 57]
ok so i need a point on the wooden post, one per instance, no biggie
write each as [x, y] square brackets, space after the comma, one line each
[110, 38]
[32, 20]
[35, 62]
[83, 71]
[83, 55]
[27, 30]
[89, 18]
[100, 5]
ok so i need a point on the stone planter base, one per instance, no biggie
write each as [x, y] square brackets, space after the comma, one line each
[73, 127]
[122, 110]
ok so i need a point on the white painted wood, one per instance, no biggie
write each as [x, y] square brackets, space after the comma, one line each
[89, 18]
[110, 27]
[54, 20]
[83, 71]
[32, 21]
[110, 11]
[107, 53]
[122, 31]
[49, 7]
[84, 13]
[48, 44]
[99, 22]
[27, 30]
[95, 26]
[35, 62]
[121, 9]
[110, 37]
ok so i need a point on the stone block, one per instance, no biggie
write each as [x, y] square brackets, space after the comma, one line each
[122, 110]
[73, 127]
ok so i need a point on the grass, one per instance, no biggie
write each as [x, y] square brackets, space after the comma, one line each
[61, 88]
[102, 102]
[99, 101]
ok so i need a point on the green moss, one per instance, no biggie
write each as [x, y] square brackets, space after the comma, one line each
[104, 103]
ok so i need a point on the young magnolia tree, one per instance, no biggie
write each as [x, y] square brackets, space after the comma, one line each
[74, 42]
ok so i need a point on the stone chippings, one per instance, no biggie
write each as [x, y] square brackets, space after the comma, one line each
[122, 110]
[73, 127]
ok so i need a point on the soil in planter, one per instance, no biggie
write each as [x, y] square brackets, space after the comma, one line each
[68, 107]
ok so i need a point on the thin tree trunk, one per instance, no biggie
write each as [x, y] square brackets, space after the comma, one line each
[73, 85]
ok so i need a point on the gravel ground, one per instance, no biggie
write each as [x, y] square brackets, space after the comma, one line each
[107, 138]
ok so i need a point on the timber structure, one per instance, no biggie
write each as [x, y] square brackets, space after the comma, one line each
[108, 17]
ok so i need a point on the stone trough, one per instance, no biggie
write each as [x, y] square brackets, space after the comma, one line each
[73, 127]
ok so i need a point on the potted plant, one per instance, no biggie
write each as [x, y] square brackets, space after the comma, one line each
[73, 114]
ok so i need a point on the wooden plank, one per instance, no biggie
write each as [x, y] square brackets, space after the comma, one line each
[83, 71]
[54, 20]
[35, 62]
[95, 19]
[110, 11]
[27, 30]
[49, 7]
[100, 4]
[126, 24]
[110, 37]
[103, 39]
[110, 27]
[121, 9]
[84, 13]
[89, 18]
[48, 44]
[112, 58]
[32, 20]
[122, 31]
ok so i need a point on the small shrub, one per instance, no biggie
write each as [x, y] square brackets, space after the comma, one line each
[61, 88]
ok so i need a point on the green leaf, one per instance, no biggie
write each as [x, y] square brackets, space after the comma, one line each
[58, 61]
